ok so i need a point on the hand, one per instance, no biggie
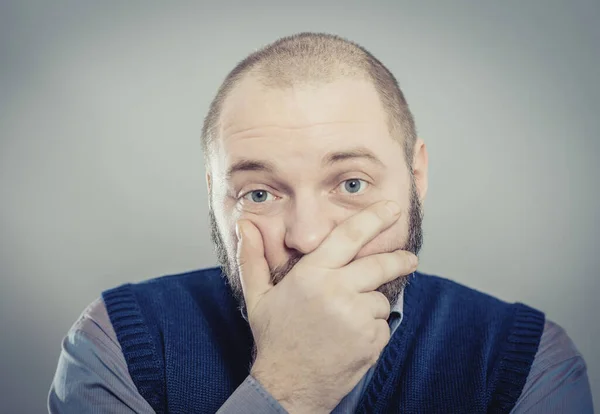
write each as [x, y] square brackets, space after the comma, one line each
[320, 329]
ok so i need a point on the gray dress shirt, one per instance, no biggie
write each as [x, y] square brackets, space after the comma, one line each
[92, 375]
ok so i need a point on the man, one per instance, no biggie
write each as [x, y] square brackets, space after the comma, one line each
[316, 179]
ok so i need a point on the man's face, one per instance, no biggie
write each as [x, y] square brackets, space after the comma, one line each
[297, 162]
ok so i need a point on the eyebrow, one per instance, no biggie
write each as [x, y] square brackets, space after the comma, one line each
[355, 153]
[250, 165]
[328, 160]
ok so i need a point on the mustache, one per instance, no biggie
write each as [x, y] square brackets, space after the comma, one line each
[279, 272]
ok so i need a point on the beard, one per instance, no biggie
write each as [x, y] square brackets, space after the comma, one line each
[391, 290]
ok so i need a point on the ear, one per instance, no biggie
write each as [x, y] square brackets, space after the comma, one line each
[421, 168]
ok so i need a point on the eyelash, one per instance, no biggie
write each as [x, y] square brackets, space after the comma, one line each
[366, 183]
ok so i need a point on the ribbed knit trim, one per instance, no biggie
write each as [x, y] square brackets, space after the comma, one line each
[387, 372]
[516, 357]
[145, 368]
[513, 366]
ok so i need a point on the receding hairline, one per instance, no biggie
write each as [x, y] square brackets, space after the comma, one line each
[250, 90]
[313, 59]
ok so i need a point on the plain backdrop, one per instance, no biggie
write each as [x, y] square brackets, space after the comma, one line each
[102, 180]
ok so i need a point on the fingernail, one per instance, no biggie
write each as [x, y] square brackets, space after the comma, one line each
[414, 260]
[393, 207]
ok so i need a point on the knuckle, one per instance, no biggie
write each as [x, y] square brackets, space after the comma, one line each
[414, 261]
[352, 232]
[410, 260]
[384, 336]
[378, 336]
[373, 335]
[382, 215]
[374, 357]
[382, 210]
[385, 303]
[405, 260]
[376, 349]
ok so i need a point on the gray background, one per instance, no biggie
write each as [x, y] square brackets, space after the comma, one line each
[101, 175]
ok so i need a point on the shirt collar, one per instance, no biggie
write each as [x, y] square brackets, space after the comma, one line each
[398, 305]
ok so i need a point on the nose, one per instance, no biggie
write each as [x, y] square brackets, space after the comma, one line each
[307, 225]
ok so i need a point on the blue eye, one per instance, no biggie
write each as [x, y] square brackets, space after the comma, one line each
[354, 185]
[258, 196]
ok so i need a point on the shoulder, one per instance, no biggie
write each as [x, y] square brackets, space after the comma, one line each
[473, 318]
[556, 347]
[153, 297]
[558, 378]
[92, 336]
[446, 293]
[91, 367]
[202, 279]
[95, 324]
[446, 303]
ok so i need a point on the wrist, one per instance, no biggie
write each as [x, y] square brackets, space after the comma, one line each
[288, 395]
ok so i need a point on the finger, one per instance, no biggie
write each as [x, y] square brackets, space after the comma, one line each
[377, 303]
[254, 270]
[380, 336]
[370, 272]
[346, 240]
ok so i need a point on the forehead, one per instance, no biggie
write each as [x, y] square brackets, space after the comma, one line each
[300, 126]
[342, 102]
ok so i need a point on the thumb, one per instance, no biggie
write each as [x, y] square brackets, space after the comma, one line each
[255, 276]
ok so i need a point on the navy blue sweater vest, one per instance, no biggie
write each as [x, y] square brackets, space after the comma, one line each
[456, 351]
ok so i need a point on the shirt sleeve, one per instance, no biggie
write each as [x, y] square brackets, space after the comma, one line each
[251, 397]
[557, 381]
[92, 375]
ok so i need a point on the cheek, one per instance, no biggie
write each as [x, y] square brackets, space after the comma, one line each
[227, 231]
[226, 216]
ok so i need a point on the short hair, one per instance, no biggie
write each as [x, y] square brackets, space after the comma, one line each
[316, 58]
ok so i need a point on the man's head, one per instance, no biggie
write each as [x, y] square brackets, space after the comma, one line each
[303, 134]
